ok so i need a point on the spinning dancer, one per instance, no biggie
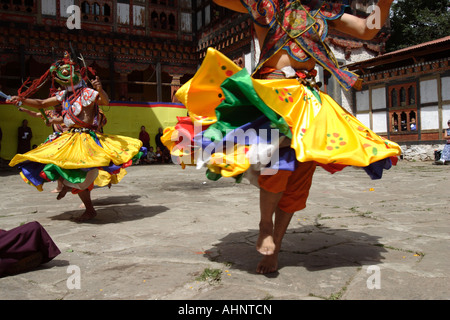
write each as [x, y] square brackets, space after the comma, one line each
[224, 101]
[54, 118]
[75, 156]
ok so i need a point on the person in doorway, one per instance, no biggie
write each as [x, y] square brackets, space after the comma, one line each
[412, 125]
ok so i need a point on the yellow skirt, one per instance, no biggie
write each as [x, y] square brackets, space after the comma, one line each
[224, 97]
[106, 179]
[73, 153]
[80, 150]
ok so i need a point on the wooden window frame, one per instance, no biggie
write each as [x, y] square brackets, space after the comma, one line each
[406, 107]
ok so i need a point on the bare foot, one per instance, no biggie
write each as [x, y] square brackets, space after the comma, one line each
[87, 215]
[62, 193]
[59, 187]
[268, 264]
[81, 206]
[265, 244]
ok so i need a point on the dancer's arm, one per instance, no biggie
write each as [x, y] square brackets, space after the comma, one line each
[34, 114]
[34, 103]
[365, 29]
[31, 113]
[103, 99]
[55, 120]
[234, 5]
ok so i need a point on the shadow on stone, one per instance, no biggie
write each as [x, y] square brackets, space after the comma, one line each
[116, 214]
[113, 200]
[309, 247]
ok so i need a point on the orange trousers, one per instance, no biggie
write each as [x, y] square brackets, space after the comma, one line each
[294, 185]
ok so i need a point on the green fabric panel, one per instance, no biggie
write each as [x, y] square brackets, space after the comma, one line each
[53, 173]
[212, 176]
[315, 93]
[242, 105]
[215, 176]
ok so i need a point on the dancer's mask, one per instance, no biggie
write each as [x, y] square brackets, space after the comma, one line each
[65, 72]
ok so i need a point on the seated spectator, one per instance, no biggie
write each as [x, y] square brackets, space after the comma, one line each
[25, 248]
[166, 156]
[159, 155]
[413, 124]
[151, 156]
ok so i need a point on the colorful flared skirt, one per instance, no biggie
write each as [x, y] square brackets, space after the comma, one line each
[236, 122]
[72, 155]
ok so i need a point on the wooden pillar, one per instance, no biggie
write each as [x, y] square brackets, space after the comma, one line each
[158, 82]
[22, 62]
[123, 86]
[112, 86]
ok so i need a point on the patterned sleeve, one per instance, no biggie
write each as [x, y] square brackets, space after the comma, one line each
[60, 95]
[262, 11]
[333, 10]
[88, 96]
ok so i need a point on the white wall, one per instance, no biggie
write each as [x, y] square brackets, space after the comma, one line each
[445, 85]
[428, 91]
[428, 94]
[123, 13]
[49, 7]
[379, 122]
[364, 118]
[379, 98]
[63, 7]
[429, 117]
[445, 115]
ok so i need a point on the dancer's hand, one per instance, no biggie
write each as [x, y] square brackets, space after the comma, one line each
[14, 100]
[97, 84]
[104, 99]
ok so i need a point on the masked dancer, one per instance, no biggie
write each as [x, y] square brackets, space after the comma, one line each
[77, 155]
[275, 126]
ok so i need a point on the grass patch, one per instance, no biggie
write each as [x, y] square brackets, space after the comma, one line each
[365, 214]
[210, 275]
[416, 253]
